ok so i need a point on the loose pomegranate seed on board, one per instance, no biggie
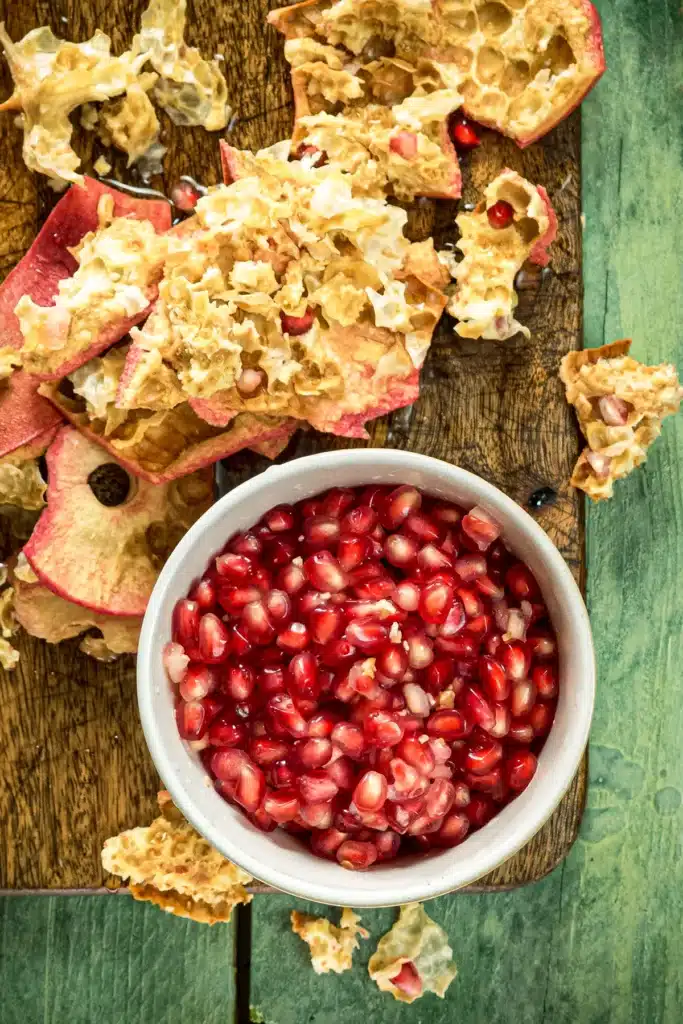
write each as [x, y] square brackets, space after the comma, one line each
[501, 214]
[369, 669]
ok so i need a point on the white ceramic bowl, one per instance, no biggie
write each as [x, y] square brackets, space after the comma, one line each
[276, 857]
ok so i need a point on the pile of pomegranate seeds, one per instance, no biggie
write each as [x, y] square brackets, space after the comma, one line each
[371, 669]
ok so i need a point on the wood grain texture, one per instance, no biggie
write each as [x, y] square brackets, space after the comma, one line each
[78, 769]
[79, 960]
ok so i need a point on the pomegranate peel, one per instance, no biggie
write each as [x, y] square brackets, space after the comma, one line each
[45, 615]
[331, 945]
[26, 419]
[50, 260]
[495, 248]
[172, 866]
[107, 558]
[162, 446]
[620, 404]
[417, 940]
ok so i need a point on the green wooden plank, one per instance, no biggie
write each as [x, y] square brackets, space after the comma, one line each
[600, 940]
[110, 960]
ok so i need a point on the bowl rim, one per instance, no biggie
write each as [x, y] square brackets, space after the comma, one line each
[505, 845]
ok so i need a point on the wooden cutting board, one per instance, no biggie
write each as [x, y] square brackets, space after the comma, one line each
[75, 768]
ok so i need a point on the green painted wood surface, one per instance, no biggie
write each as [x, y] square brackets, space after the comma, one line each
[601, 940]
[109, 960]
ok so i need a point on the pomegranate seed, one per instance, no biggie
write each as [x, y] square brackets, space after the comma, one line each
[404, 144]
[338, 653]
[500, 215]
[382, 729]
[337, 501]
[522, 698]
[191, 720]
[501, 723]
[199, 681]
[356, 855]
[316, 786]
[327, 842]
[407, 595]
[320, 726]
[493, 678]
[251, 786]
[448, 725]
[186, 624]
[388, 845]
[544, 678]
[462, 794]
[239, 682]
[439, 674]
[520, 731]
[234, 567]
[480, 809]
[470, 567]
[398, 505]
[463, 133]
[392, 661]
[323, 571]
[483, 755]
[227, 734]
[400, 550]
[325, 623]
[352, 551]
[375, 590]
[453, 830]
[541, 645]
[613, 410]
[282, 775]
[516, 662]
[342, 772]
[407, 782]
[349, 739]
[408, 981]
[278, 606]
[175, 662]
[314, 753]
[303, 675]
[282, 805]
[435, 602]
[214, 639]
[471, 602]
[486, 586]
[204, 593]
[246, 544]
[432, 559]
[285, 713]
[479, 708]
[454, 621]
[420, 651]
[292, 579]
[321, 532]
[480, 527]
[418, 755]
[521, 583]
[520, 769]
[516, 625]
[294, 638]
[317, 815]
[440, 798]
[367, 635]
[257, 623]
[265, 751]
[297, 325]
[280, 519]
[541, 718]
[359, 520]
[227, 765]
[370, 792]
[417, 700]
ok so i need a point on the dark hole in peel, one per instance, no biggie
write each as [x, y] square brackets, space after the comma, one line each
[110, 484]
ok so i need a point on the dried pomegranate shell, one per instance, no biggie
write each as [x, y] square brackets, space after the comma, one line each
[107, 558]
[49, 261]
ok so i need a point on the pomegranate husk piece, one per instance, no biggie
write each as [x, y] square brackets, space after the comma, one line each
[26, 419]
[577, 28]
[49, 617]
[417, 940]
[331, 945]
[49, 261]
[107, 558]
[173, 443]
[172, 866]
[270, 449]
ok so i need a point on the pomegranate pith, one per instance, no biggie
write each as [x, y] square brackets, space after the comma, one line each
[370, 670]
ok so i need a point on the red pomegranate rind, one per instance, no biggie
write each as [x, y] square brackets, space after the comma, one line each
[99, 556]
[231, 163]
[275, 446]
[49, 261]
[25, 417]
[539, 254]
[596, 50]
[204, 449]
[49, 617]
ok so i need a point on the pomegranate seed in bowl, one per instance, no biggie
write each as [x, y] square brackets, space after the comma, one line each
[370, 669]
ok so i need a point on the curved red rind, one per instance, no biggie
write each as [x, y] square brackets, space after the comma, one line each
[539, 254]
[597, 50]
[49, 261]
[230, 162]
[401, 391]
[243, 434]
[25, 416]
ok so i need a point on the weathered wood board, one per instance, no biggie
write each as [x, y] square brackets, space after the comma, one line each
[75, 768]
